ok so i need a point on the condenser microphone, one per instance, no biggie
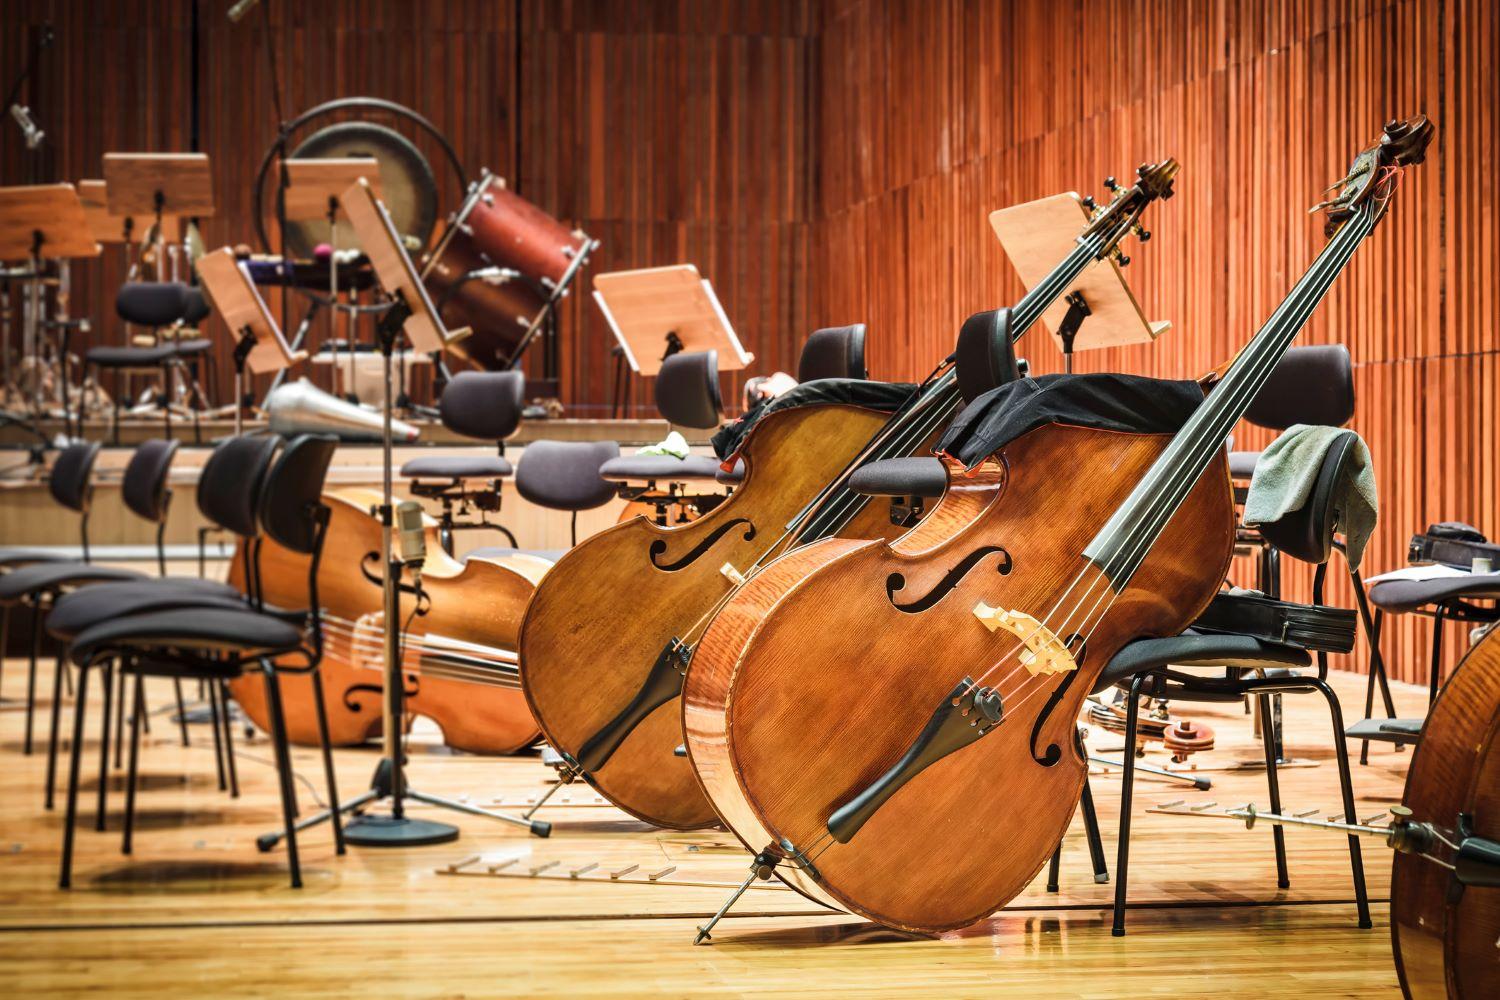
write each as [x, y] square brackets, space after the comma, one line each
[22, 115]
[411, 539]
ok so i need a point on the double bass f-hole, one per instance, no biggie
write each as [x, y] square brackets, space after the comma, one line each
[1078, 645]
[897, 582]
[373, 559]
[659, 547]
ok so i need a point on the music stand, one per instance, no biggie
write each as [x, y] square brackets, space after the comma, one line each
[312, 192]
[1038, 234]
[35, 220]
[655, 312]
[163, 186]
[411, 313]
[259, 343]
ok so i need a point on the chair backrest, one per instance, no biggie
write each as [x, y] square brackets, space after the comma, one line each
[152, 303]
[564, 475]
[69, 479]
[1310, 385]
[687, 389]
[144, 487]
[232, 480]
[293, 489]
[1307, 532]
[985, 356]
[484, 405]
[195, 308]
[833, 352]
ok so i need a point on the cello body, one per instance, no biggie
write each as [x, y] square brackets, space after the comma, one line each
[814, 680]
[603, 614]
[479, 602]
[1447, 945]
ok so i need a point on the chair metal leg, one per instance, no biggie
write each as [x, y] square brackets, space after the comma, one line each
[136, 716]
[1435, 671]
[213, 718]
[57, 697]
[333, 790]
[1091, 830]
[1346, 786]
[107, 687]
[75, 752]
[182, 722]
[283, 768]
[4, 640]
[119, 718]
[1127, 788]
[1268, 744]
[36, 652]
[224, 716]
[1053, 867]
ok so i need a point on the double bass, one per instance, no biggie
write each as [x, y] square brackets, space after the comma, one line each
[889, 726]
[610, 632]
[458, 653]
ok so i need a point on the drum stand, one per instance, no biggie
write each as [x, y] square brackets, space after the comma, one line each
[396, 829]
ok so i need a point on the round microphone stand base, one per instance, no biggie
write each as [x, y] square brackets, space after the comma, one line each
[398, 831]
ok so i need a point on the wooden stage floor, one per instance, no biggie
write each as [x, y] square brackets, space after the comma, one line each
[198, 912]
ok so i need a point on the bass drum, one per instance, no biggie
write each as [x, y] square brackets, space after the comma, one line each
[498, 228]
[407, 185]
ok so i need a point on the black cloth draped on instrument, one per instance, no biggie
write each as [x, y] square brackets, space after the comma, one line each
[885, 397]
[1130, 403]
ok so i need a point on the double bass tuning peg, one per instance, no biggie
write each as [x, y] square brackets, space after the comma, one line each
[1089, 203]
[1143, 234]
[1111, 183]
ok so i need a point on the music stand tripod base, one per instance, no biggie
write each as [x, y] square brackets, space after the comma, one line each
[398, 831]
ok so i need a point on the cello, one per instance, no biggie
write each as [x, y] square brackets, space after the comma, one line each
[889, 726]
[458, 656]
[607, 638]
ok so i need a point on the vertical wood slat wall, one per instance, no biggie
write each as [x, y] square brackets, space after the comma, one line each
[834, 161]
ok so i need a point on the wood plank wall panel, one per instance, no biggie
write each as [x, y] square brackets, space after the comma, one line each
[931, 114]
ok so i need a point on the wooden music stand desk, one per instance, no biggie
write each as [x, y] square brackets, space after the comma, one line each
[239, 302]
[44, 221]
[377, 235]
[657, 311]
[1036, 236]
[314, 184]
[106, 228]
[150, 184]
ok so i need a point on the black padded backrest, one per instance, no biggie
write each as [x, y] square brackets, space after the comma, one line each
[833, 352]
[1307, 533]
[230, 485]
[687, 389]
[1310, 385]
[564, 475]
[69, 480]
[986, 353]
[195, 307]
[152, 303]
[144, 488]
[484, 405]
[292, 489]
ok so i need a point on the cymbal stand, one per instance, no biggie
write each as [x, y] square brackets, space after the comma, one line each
[396, 829]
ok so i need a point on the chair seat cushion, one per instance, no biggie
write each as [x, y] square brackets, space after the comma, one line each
[189, 348]
[130, 357]
[919, 476]
[1242, 464]
[1406, 732]
[1199, 649]
[660, 468]
[457, 467]
[11, 557]
[41, 577]
[190, 630]
[500, 552]
[84, 608]
[1399, 596]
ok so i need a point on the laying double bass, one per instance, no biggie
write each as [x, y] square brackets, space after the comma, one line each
[607, 638]
[458, 653]
[890, 726]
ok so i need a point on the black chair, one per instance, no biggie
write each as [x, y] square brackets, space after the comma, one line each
[482, 405]
[561, 475]
[155, 305]
[687, 395]
[230, 488]
[1249, 667]
[833, 352]
[38, 585]
[217, 644]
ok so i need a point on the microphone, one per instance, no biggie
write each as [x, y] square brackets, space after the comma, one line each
[22, 115]
[240, 8]
[410, 537]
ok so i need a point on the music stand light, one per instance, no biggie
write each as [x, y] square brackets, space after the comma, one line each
[1038, 233]
[412, 312]
[259, 345]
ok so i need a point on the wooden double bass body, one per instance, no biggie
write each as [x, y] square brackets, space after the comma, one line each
[458, 653]
[1447, 942]
[819, 673]
[604, 613]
